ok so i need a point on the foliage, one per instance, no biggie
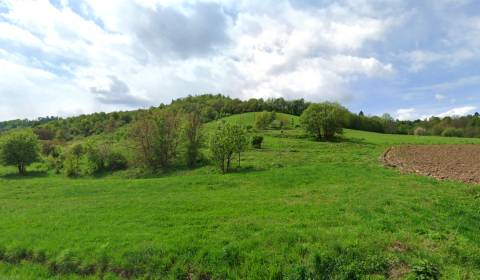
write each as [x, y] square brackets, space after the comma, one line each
[425, 270]
[264, 119]
[420, 131]
[155, 137]
[452, 132]
[227, 140]
[257, 141]
[293, 218]
[193, 136]
[324, 120]
[239, 139]
[71, 162]
[19, 148]
[101, 157]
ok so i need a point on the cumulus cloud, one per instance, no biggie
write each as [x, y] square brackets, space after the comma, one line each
[406, 114]
[121, 54]
[117, 92]
[459, 111]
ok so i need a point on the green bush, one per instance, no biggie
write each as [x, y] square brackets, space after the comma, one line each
[71, 162]
[425, 270]
[452, 132]
[324, 120]
[264, 119]
[101, 157]
[116, 161]
[257, 141]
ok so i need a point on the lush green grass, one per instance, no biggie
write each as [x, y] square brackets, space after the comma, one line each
[295, 208]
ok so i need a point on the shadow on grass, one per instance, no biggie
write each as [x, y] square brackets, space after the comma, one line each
[336, 139]
[28, 175]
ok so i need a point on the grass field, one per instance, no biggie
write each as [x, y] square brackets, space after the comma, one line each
[296, 209]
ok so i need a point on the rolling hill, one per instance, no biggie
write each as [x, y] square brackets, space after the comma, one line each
[297, 209]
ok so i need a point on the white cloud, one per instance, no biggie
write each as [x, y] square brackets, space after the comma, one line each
[120, 54]
[440, 97]
[459, 111]
[406, 114]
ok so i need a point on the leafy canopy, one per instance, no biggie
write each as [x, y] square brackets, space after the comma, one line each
[19, 148]
[324, 120]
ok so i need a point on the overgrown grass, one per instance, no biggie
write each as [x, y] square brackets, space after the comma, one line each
[296, 209]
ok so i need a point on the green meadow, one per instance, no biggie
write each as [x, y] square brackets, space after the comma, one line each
[295, 209]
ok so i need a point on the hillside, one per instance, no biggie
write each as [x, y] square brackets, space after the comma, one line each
[295, 207]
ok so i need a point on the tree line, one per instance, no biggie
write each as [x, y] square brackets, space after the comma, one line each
[214, 107]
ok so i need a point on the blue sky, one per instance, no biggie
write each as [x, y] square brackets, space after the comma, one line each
[412, 59]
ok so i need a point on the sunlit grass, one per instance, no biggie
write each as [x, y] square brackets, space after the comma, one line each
[296, 207]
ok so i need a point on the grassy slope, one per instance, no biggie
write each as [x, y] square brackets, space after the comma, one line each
[292, 200]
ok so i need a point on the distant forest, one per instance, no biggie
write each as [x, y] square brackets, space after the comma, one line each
[214, 107]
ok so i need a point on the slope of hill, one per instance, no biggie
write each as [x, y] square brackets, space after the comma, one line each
[296, 208]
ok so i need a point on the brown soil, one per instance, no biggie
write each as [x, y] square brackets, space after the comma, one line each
[445, 162]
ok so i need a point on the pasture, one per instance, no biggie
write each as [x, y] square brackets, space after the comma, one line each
[295, 209]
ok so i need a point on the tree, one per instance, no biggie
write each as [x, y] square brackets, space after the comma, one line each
[193, 136]
[239, 139]
[19, 148]
[452, 132]
[225, 142]
[420, 131]
[264, 119]
[221, 148]
[155, 137]
[324, 120]
[72, 160]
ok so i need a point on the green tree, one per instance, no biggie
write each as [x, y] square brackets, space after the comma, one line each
[221, 148]
[19, 148]
[324, 120]
[155, 137]
[193, 136]
[239, 139]
[264, 119]
[225, 142]
[72, 160]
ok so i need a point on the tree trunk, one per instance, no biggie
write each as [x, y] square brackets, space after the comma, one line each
[21, 169]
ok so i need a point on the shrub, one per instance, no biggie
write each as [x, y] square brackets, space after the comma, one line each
[420, 131]
[71, 162]
[324, 120]
[155, 137]
[264, 119]
[19, 148]
[101, 157]
[425, 270]
[116, 161]
[44, 133]
[257, 141]
[452, 132]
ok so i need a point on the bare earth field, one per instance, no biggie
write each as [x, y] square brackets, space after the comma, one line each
[451, 162]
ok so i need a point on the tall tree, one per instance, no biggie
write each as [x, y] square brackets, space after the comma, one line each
[155, 137]
[192, 130]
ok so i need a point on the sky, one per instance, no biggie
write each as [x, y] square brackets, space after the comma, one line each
[412, 59]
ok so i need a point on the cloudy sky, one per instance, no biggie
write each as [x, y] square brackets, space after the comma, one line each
[408, 58]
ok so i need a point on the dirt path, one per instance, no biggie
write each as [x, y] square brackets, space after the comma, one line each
[453, 162]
